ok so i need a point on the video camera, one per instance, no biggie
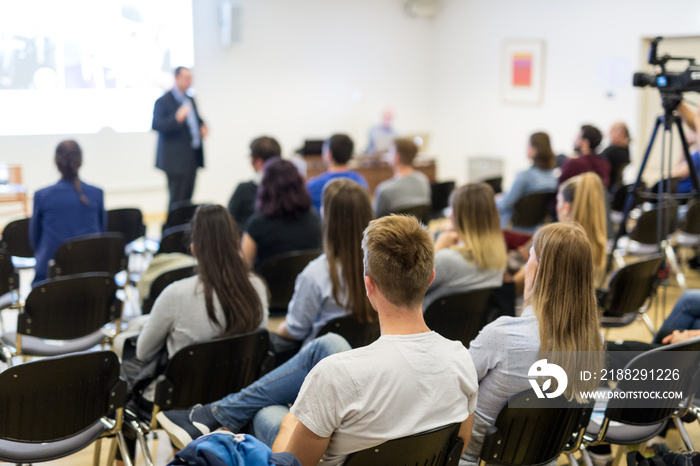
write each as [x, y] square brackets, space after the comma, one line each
[669, 82]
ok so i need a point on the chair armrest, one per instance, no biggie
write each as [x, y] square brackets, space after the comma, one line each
[454, 453]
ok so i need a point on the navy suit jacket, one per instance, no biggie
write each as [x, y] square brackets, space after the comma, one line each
[175, 154]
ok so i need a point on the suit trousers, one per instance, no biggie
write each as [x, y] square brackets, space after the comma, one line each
[181, 186]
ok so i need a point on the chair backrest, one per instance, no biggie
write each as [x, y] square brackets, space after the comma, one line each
[54, 398]
[101, 252]
[675, 369]
[631, 286]
[206, 372]
[440, 195]
[180, 214]
[691, 223]
[645, 231]
[421, 212]
[280, 273]
[436, 447]
[356, 333]
[618, 201]
[532, 210]
[69, 307]
[9, 278]
[128, 222]
[15, 238]
[461, 316]
[495, 183]
[176, 239]
[161, 282]
[528, 431]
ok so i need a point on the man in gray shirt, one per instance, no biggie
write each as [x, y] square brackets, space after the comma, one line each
[408, 187]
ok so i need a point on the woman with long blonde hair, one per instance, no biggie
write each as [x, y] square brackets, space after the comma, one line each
[473, 256]
[559, 323]
[581, 199]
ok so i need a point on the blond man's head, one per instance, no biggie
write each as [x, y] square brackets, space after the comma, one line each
[399, 256]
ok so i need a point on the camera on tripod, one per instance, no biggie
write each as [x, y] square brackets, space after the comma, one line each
[669, 82]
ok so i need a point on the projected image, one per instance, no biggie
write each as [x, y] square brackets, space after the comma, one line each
[79, 66]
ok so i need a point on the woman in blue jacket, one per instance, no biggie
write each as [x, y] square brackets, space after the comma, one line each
[65, 210]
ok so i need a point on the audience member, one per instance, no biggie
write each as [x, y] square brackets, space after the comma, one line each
[337, 152]
[586, 159]
[473, 256]
[581, 199]
[617, 153]
[408, 187]
[681, 170]
[408, 381]
[222, 300]
[560, 318]
[65, 210]
[331, 286]
[536, 179]
[380, 136]
[283, 220]
[242, 203]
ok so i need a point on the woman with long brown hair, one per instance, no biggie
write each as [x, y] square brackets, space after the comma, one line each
[581, 199]
[538, 178]
[559, 322]
[473, 256]
[223, 299]
[332, 285]
[65, 210]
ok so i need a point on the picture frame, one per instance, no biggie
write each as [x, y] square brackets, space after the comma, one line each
[522, 71]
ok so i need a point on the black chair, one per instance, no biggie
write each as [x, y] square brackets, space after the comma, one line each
[617, 204]
[356, 333]
[436, 447]
[203, 373]
[440, 197]
[54, 407]
[176, 239]
[421, 212]
[161, 282]
[532, 210]
[528, 431]
[461, 316]
[128, 222]
[180, 213]
[495, 183]
[71, 311]
[100, 252]
[645, 231]
[280, 273]
[15, 240]
[9, 279]
[631, 421]
[629, 290]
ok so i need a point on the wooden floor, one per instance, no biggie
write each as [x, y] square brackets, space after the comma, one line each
[163, 453]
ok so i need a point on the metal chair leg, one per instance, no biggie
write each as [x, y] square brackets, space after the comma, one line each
[650, 325]
[572, 459]
[142, 442]
[98, 451]
[124, 450]
[112, 452]
[673, 260]
[684, 434]
[586, 457]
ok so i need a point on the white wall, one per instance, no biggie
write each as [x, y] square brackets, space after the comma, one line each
[297, 73]
[469, 116]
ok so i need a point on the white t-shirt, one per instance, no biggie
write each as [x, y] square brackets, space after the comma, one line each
[399, 385]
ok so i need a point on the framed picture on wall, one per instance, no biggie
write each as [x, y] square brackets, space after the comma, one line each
[522, 72]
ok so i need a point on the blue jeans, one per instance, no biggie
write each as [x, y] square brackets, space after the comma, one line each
[274, 391]
[684, 316]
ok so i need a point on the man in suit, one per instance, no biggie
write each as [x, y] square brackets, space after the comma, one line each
[180, 134]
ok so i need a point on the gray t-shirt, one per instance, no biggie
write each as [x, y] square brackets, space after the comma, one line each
[455, 274]
[179, 317]
[400, 193]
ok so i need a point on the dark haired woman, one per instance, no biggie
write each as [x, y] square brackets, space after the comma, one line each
[284, 220]
[332, 285]
[536, 179]
[223, 299]
[65, 210]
